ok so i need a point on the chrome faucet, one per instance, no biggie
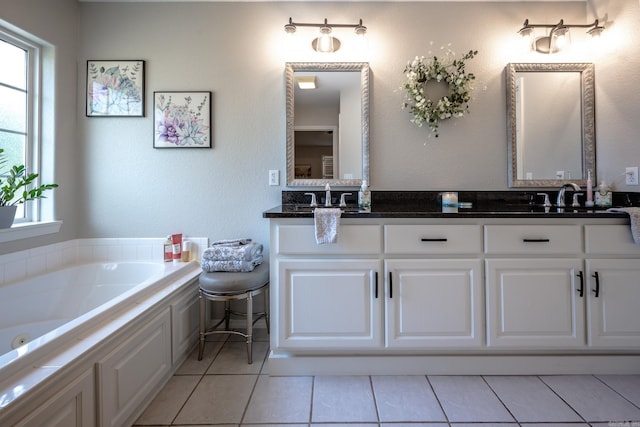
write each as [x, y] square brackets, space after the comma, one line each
[560, 201]
[327, 192]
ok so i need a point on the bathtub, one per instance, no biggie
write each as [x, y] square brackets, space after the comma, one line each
[54, 320]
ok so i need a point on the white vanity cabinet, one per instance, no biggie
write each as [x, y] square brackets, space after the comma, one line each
[433, 302]
[533, 287]
[613, 292]
[328, 296]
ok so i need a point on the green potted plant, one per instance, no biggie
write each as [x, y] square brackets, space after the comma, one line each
[14, 189]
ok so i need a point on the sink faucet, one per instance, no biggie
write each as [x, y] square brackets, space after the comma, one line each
[327, 199]
[560, 201]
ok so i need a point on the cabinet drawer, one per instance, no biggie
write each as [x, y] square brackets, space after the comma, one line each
[532, 239]
[352, 239]
[610, 239]
[432, 239]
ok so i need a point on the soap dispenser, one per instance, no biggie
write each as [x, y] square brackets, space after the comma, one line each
[603, 195]
[364, 197]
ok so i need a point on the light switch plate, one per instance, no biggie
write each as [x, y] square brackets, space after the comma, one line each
[274, 177]
[631, 175]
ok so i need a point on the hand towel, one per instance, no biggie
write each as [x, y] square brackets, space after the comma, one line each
[634, 218]
[327, 221]
[229, 252]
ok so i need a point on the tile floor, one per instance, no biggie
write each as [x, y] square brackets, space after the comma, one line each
[224, 390]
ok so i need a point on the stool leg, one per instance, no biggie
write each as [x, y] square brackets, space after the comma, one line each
[227, 314]
[266, 308]
[249, 327]
[203, 310]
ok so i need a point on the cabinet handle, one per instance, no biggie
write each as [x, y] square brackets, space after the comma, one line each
[376, 291]
[596, 291]
[581, 288]
[390, 285]
[525, 240]
[439, 239]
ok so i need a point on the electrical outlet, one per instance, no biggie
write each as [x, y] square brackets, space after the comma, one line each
[274, 177]
[631, 175]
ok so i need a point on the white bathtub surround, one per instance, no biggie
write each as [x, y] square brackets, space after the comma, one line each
[18, 266]
[109, 363]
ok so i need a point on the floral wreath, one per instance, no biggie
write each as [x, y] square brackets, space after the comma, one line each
[449, 70]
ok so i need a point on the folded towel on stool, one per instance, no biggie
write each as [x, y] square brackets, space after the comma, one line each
[634, 217]
[230, 266]
[231, 242]
[327, 221]
[233, 252]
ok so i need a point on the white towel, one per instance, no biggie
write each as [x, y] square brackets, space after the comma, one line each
[634, 218]
[327, 221]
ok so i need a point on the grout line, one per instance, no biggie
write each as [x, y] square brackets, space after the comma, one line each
[614, 390]
[375, 401]
[560, 397]
[446, 417]
[313, 389]
[499, 400]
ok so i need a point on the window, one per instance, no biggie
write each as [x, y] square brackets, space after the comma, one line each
[18, 109]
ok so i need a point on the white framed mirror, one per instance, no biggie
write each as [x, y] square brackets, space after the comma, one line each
[550, 124]
[328, 126]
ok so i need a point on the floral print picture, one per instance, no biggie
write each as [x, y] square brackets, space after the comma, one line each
[182, 119]
[115, 88]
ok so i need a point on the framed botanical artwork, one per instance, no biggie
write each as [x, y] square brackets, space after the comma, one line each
[182, 119]
[115, 88]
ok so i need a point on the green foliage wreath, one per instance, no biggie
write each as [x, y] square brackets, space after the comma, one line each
[420, 71]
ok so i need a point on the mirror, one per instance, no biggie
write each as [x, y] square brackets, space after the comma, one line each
[551, 124]
[327, 127]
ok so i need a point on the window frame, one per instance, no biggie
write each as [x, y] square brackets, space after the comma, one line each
[31, 212]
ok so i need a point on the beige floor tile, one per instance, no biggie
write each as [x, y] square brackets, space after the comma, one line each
[193, 366]
[218, 399]
[468, 399]
[592, 399]
[627, 385]
[280, 400]
[406, 398]
[525, 395]
[343, 399]
[164, 408]
[232, 359]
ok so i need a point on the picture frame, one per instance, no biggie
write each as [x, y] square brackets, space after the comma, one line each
[182, 119]
[115, 88]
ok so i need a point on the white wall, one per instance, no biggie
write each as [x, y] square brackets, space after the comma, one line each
[121, 186]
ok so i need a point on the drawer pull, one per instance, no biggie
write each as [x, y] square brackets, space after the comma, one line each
[581, 288]
[440, 239]
[596, 291]
[390, 285]
[525, 240]
[376, 290]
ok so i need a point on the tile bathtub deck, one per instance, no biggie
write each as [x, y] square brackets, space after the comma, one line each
[224, 390]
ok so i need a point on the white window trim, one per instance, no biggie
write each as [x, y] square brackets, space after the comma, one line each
[40, 221]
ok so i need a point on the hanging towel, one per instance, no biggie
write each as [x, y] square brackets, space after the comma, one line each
[634, 218]
[327, 221]
[233, 252]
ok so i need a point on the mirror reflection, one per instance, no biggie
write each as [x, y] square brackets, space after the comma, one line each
[551, 124]
[327, 124]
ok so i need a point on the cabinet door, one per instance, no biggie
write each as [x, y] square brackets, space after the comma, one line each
[433, 303]
[534, 303]
[73, 406]
[613, 314]
[328, 304]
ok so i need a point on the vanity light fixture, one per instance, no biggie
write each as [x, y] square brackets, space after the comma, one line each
[325, 42]
[306, 82]
[558, 37]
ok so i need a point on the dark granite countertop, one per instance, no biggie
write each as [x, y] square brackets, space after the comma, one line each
[426, 204]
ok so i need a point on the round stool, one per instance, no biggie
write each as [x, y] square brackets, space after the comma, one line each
[227, 286]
